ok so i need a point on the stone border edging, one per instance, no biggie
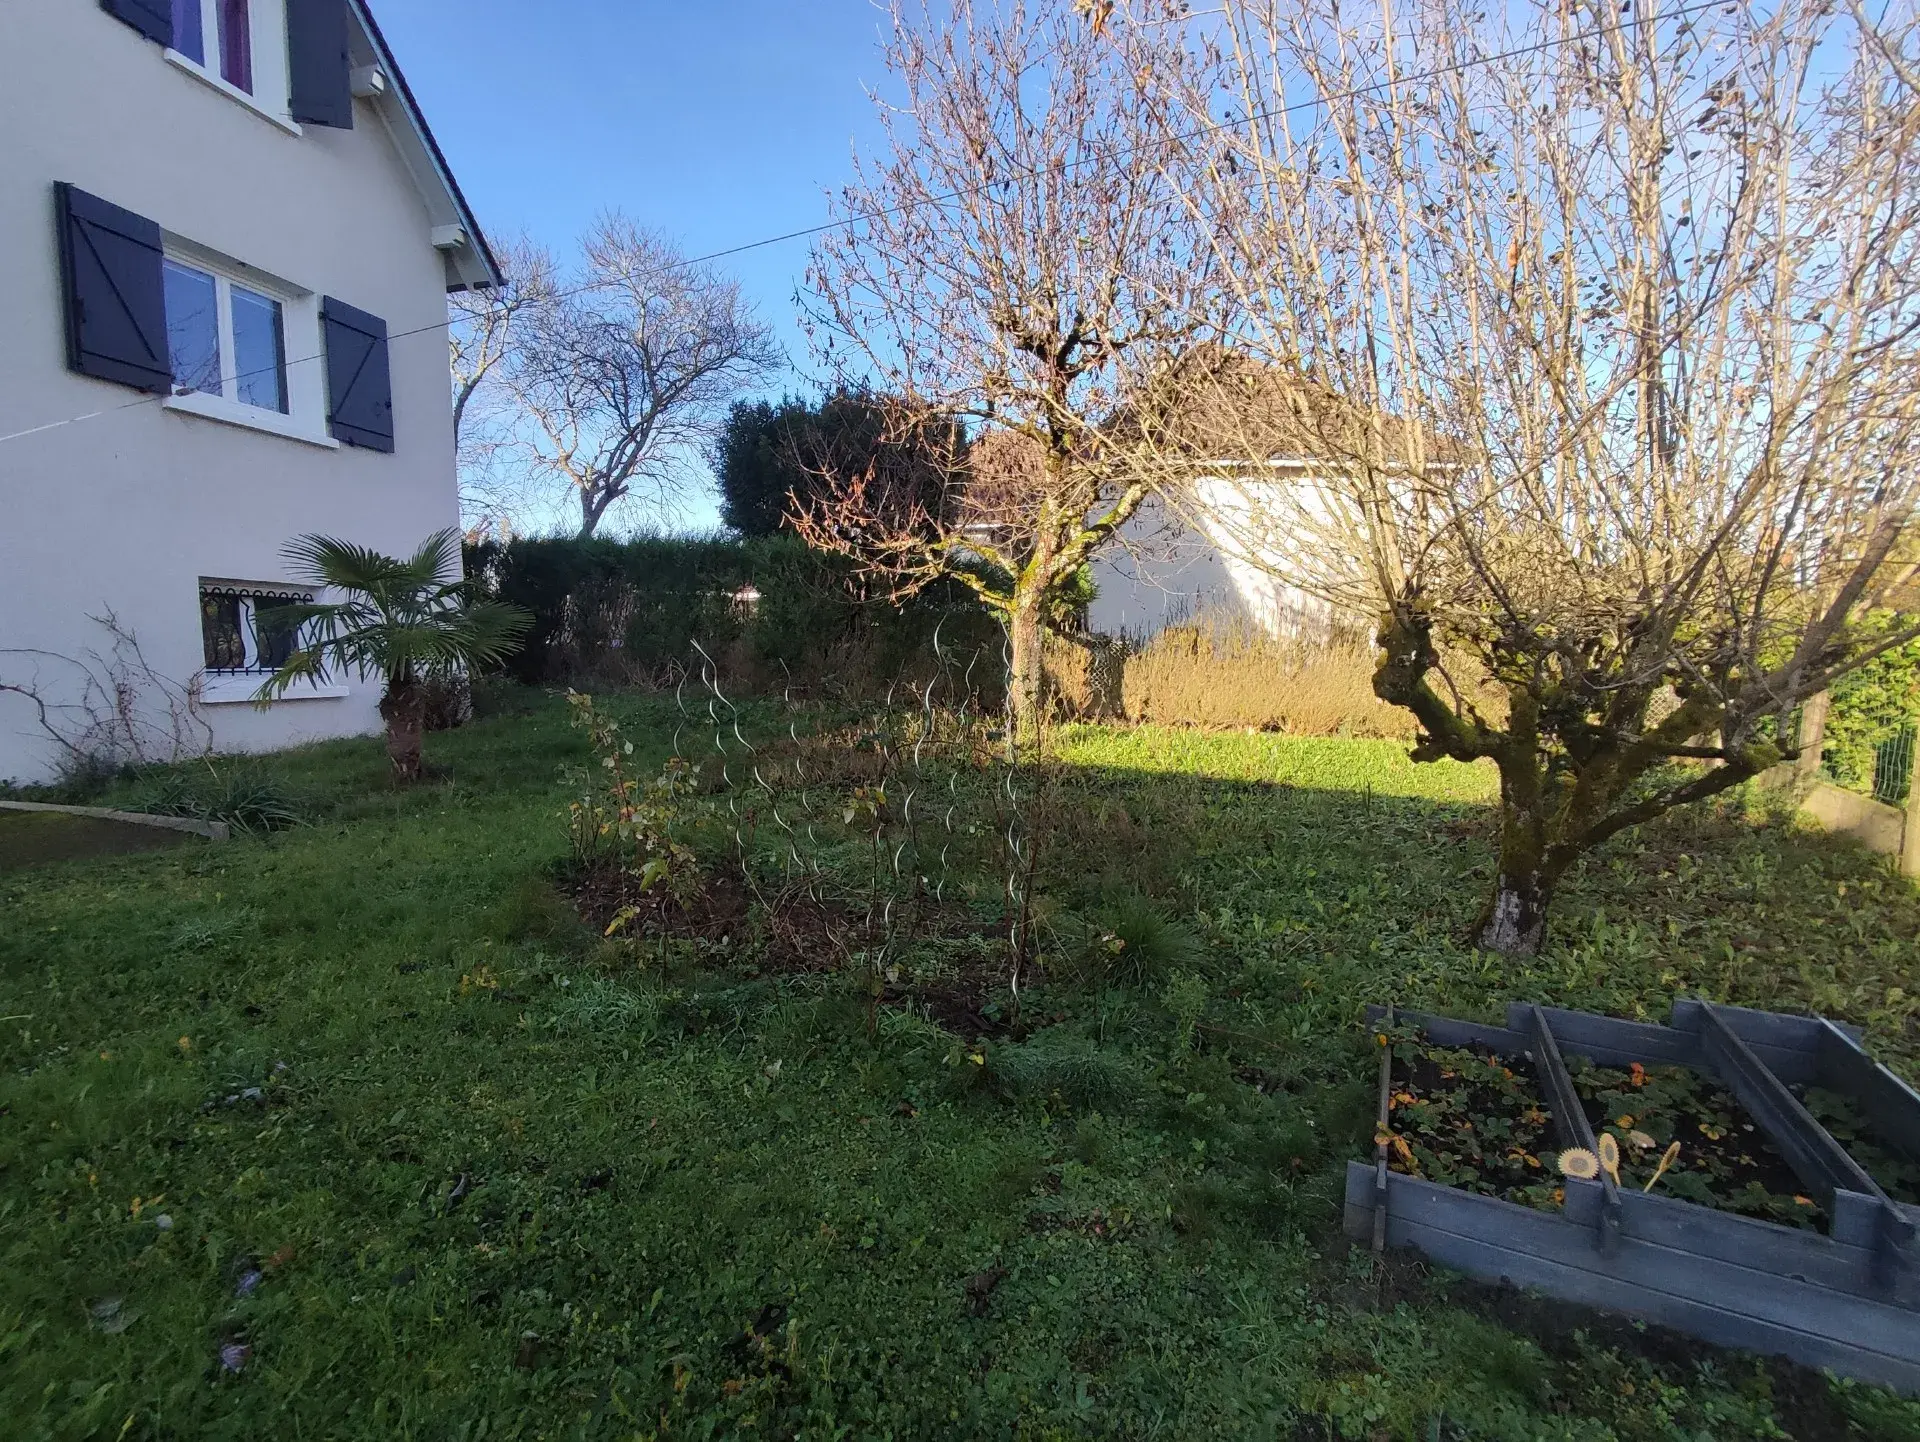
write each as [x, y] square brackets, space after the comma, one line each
[212, 830]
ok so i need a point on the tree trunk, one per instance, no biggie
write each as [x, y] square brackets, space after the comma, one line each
[1027, 672]
[1515, 921]
[404, 709]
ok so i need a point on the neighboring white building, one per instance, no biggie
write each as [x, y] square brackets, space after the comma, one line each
[229, 237]
[1177, 566]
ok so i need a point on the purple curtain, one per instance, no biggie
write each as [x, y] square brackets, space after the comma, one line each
[236, 44]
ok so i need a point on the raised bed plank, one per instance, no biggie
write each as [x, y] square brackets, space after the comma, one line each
[1609, 1041]
[1722, 1302]
[1789, 1045]
[1446, 1031]
[1819, 1161]
[1890, 1104]
[1792, 1252]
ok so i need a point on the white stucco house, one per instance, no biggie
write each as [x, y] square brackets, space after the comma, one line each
[229, 235]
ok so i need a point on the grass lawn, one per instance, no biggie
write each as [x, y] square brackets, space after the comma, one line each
[363, 1110]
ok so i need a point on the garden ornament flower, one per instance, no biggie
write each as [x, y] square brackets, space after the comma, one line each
[1610, 1156]
[1579, 1163]
[1667, 1159]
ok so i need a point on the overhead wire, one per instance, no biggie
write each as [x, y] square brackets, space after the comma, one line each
[863, 217]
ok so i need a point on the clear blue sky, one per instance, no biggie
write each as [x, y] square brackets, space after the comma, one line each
[718, 121]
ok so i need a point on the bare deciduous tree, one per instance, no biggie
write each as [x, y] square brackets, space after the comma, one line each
[1609, 317]
[1019, 258]
[625, 372]
[483, 326]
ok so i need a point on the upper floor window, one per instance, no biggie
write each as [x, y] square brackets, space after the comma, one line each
[217, 337]
[238, 47]
[222, 29]
[225, 338]
[289, 60]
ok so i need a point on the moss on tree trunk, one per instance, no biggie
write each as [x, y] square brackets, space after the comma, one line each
[1574, 763]
[1026, 679]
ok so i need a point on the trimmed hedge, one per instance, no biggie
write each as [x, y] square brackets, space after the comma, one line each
[770, 610]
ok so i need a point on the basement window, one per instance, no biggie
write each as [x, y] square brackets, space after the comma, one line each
[235, 634]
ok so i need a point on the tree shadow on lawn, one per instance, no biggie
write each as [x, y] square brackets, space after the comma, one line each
[1316, 901]
[519, 1130]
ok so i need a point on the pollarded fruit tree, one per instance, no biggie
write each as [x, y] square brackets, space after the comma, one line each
[1608, 321]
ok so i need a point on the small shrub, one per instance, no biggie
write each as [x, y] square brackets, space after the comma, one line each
[595, 1006]
[1186, 998]
[448, 701]
[83, 778]
[1205, 1206]
[203, 934]
[1075, 1071]
[533, 911]
[624, 819]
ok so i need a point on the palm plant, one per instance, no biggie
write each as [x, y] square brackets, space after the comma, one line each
[401, 620]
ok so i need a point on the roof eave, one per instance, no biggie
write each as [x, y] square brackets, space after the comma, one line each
[473, 265]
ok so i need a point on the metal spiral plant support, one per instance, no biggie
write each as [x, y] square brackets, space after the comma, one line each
[1018, 841]
[716, 698]
[808, 865]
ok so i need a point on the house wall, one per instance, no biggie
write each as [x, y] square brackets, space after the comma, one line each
[1175, 566]
[122, 513]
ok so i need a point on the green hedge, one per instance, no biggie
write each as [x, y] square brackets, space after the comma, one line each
[770, 609]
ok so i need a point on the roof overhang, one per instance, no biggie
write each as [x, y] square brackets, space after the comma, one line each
[454, 232]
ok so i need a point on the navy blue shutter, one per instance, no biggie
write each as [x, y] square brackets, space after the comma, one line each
[152, 18]
[359, 386]
[321, 89]
[114, 292]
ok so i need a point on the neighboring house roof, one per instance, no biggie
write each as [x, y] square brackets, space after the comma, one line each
[470, 262]
[1220, 410]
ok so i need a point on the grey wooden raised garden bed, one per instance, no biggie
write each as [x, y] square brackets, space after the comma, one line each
[1847, 1300]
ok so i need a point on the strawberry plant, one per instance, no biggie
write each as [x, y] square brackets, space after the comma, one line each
[1897, 1173]
[1464, 1117]
[1725, 1160]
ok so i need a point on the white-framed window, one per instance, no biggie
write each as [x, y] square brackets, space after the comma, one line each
[233, 638]
[242, 344]
[225, 338]
[240, 648]
[237, 46]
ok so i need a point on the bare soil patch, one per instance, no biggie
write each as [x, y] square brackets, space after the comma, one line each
[43, 838]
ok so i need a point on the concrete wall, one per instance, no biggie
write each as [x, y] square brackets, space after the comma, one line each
[1874, 824]
[125, 512]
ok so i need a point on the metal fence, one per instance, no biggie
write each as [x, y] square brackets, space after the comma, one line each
[1893, 753]
[1893, 765]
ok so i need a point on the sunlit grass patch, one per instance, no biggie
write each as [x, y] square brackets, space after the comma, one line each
[1312, 762]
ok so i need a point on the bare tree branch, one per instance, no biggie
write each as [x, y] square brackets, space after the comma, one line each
[625, 374]
[1020, 256]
